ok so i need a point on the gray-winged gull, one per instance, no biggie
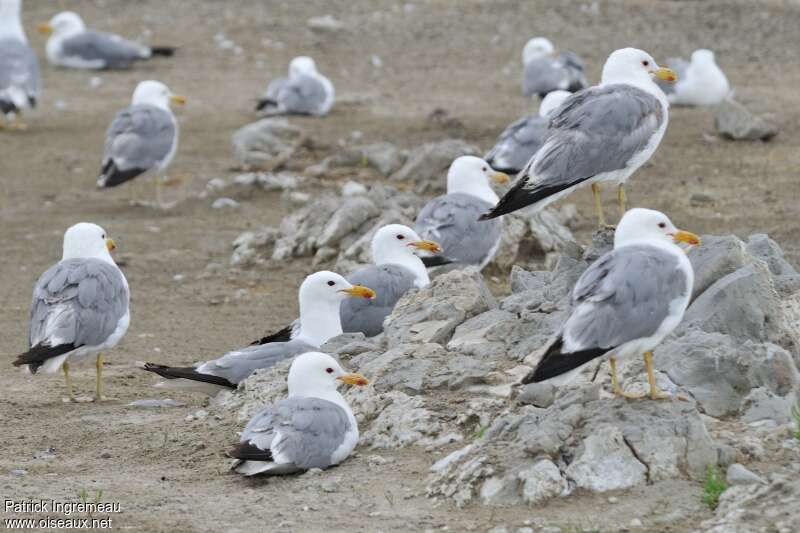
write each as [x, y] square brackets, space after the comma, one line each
[304, 92]
[72, 45]
[396, 269]
[700, 81]
[604, 133]
[142, 138]
[522, 138]
[79, 308]
[313, 427]
[19, 68]
[319, 296]
[626, 302]
[451, 220]
[544, 72]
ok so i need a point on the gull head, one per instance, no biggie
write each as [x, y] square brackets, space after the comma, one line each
[536, 48]
[552, 101]
[86, 240]
[312, 373]
[472, 175]
[635, 67]
[64, 24]
[330, 287]
[703, 57]
[396, 243]
[302, 65]
[649, 225]
[155, 93]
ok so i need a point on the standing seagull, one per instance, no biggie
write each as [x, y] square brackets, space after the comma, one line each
[452, 219]
[626, 302]
[701, 82]
[604, 133]
[142, 138]
[304, 92]
[395, 271]
[320, 295]
[71, 45]
[19, 68]
[313, 427]
[543, 72]
[80, 307]
[522, 138]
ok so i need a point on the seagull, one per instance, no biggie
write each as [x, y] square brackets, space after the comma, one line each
[626, 302]
[702, 82]
[142, 138]
[71, 45]
[313, 427]
[522, 138]
[395, 271]
[604, 133]
[80, 307]
[320, 295]
[452, 219]
[304, 92]
[544, 72]
[19, 68]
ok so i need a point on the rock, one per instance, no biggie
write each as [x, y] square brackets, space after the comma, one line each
[541, 482]
[258, 143]
[737, 474]
[716, 258]
[606, 462]
[733, 121]
[426, 166]
[383, 157]
[785, 276]
[483, 335]
[166, 402]
[352, 188]
[763, 404]
[406, 367]
[758, 507]
[18, 472]
[250, 247]
[330, 484]
[221, 203]
[514, 230]
[278, 182]
[538, 394]
[348, 218]
[702, 198]
[432, 314]
[403, 420]
[325, 23]
[533, 235]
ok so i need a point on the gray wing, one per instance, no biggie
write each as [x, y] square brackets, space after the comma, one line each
[517, 144]
[575, 70]
[274, 89]
[452, 221]
[19, 69]
[303, 95]
[115, 51]
[543, 75]
[237, 365]
[310, 429]
[624, 295]
[390, 283]
[78, 302]
[139, 137]
[680, 66]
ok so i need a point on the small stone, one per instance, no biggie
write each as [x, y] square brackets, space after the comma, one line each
[221, 203]
[330, 485]
[352, 188]
[636, 523]
[701, 198]
[166, 402]
[538, 394]
[105, 455]
[18, 472]
[325, 23]
[739, 475]
[299, 198]
[736, 122]
[613, 499]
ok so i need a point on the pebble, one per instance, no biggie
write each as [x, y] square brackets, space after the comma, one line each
[702, 198]
[18, 472]
[221, 203]
[636, 523]
[737, 474]
[330, 485]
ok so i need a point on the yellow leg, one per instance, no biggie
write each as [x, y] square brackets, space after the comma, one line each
[598, 206]
[68, 381]
[17, 123]
[98, 391]
[655, 392]
[615, 388]
[622, 199]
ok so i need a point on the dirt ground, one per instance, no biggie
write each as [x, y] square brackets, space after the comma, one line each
[170, 474]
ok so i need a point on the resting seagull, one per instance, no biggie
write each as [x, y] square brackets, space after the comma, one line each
[701, 81]
[80, 307]
[142, 139]
[452, 219]
[71, 45]
[320, 295]
[544, 72]
[395, 271]
[522, 138]
[19, 68]
[313, 427]
[604, 133]
[626, 302]
[304, 92]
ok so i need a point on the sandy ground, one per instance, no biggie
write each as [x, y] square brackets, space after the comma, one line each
[170, 474]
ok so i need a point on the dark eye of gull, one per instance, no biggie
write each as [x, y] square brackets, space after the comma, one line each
[331, 283]
[401, 237]
[329, 370]
[484, 169]
[646, 63]
[662, 225]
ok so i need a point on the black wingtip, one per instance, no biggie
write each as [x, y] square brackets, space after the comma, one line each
[39, 354]
[264, 103]
[555, 362]
[284, 335]
[436, 260]
[164, 51]
[111, 175]
[245, 451]
[186, 372]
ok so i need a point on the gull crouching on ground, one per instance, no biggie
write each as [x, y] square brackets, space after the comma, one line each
[19, 68]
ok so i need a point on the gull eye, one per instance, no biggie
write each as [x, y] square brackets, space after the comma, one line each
[646, 63]
[662, 225]
[331, 283]
[103, 236]
[329, 370]
[485, 169]
[400, 237]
